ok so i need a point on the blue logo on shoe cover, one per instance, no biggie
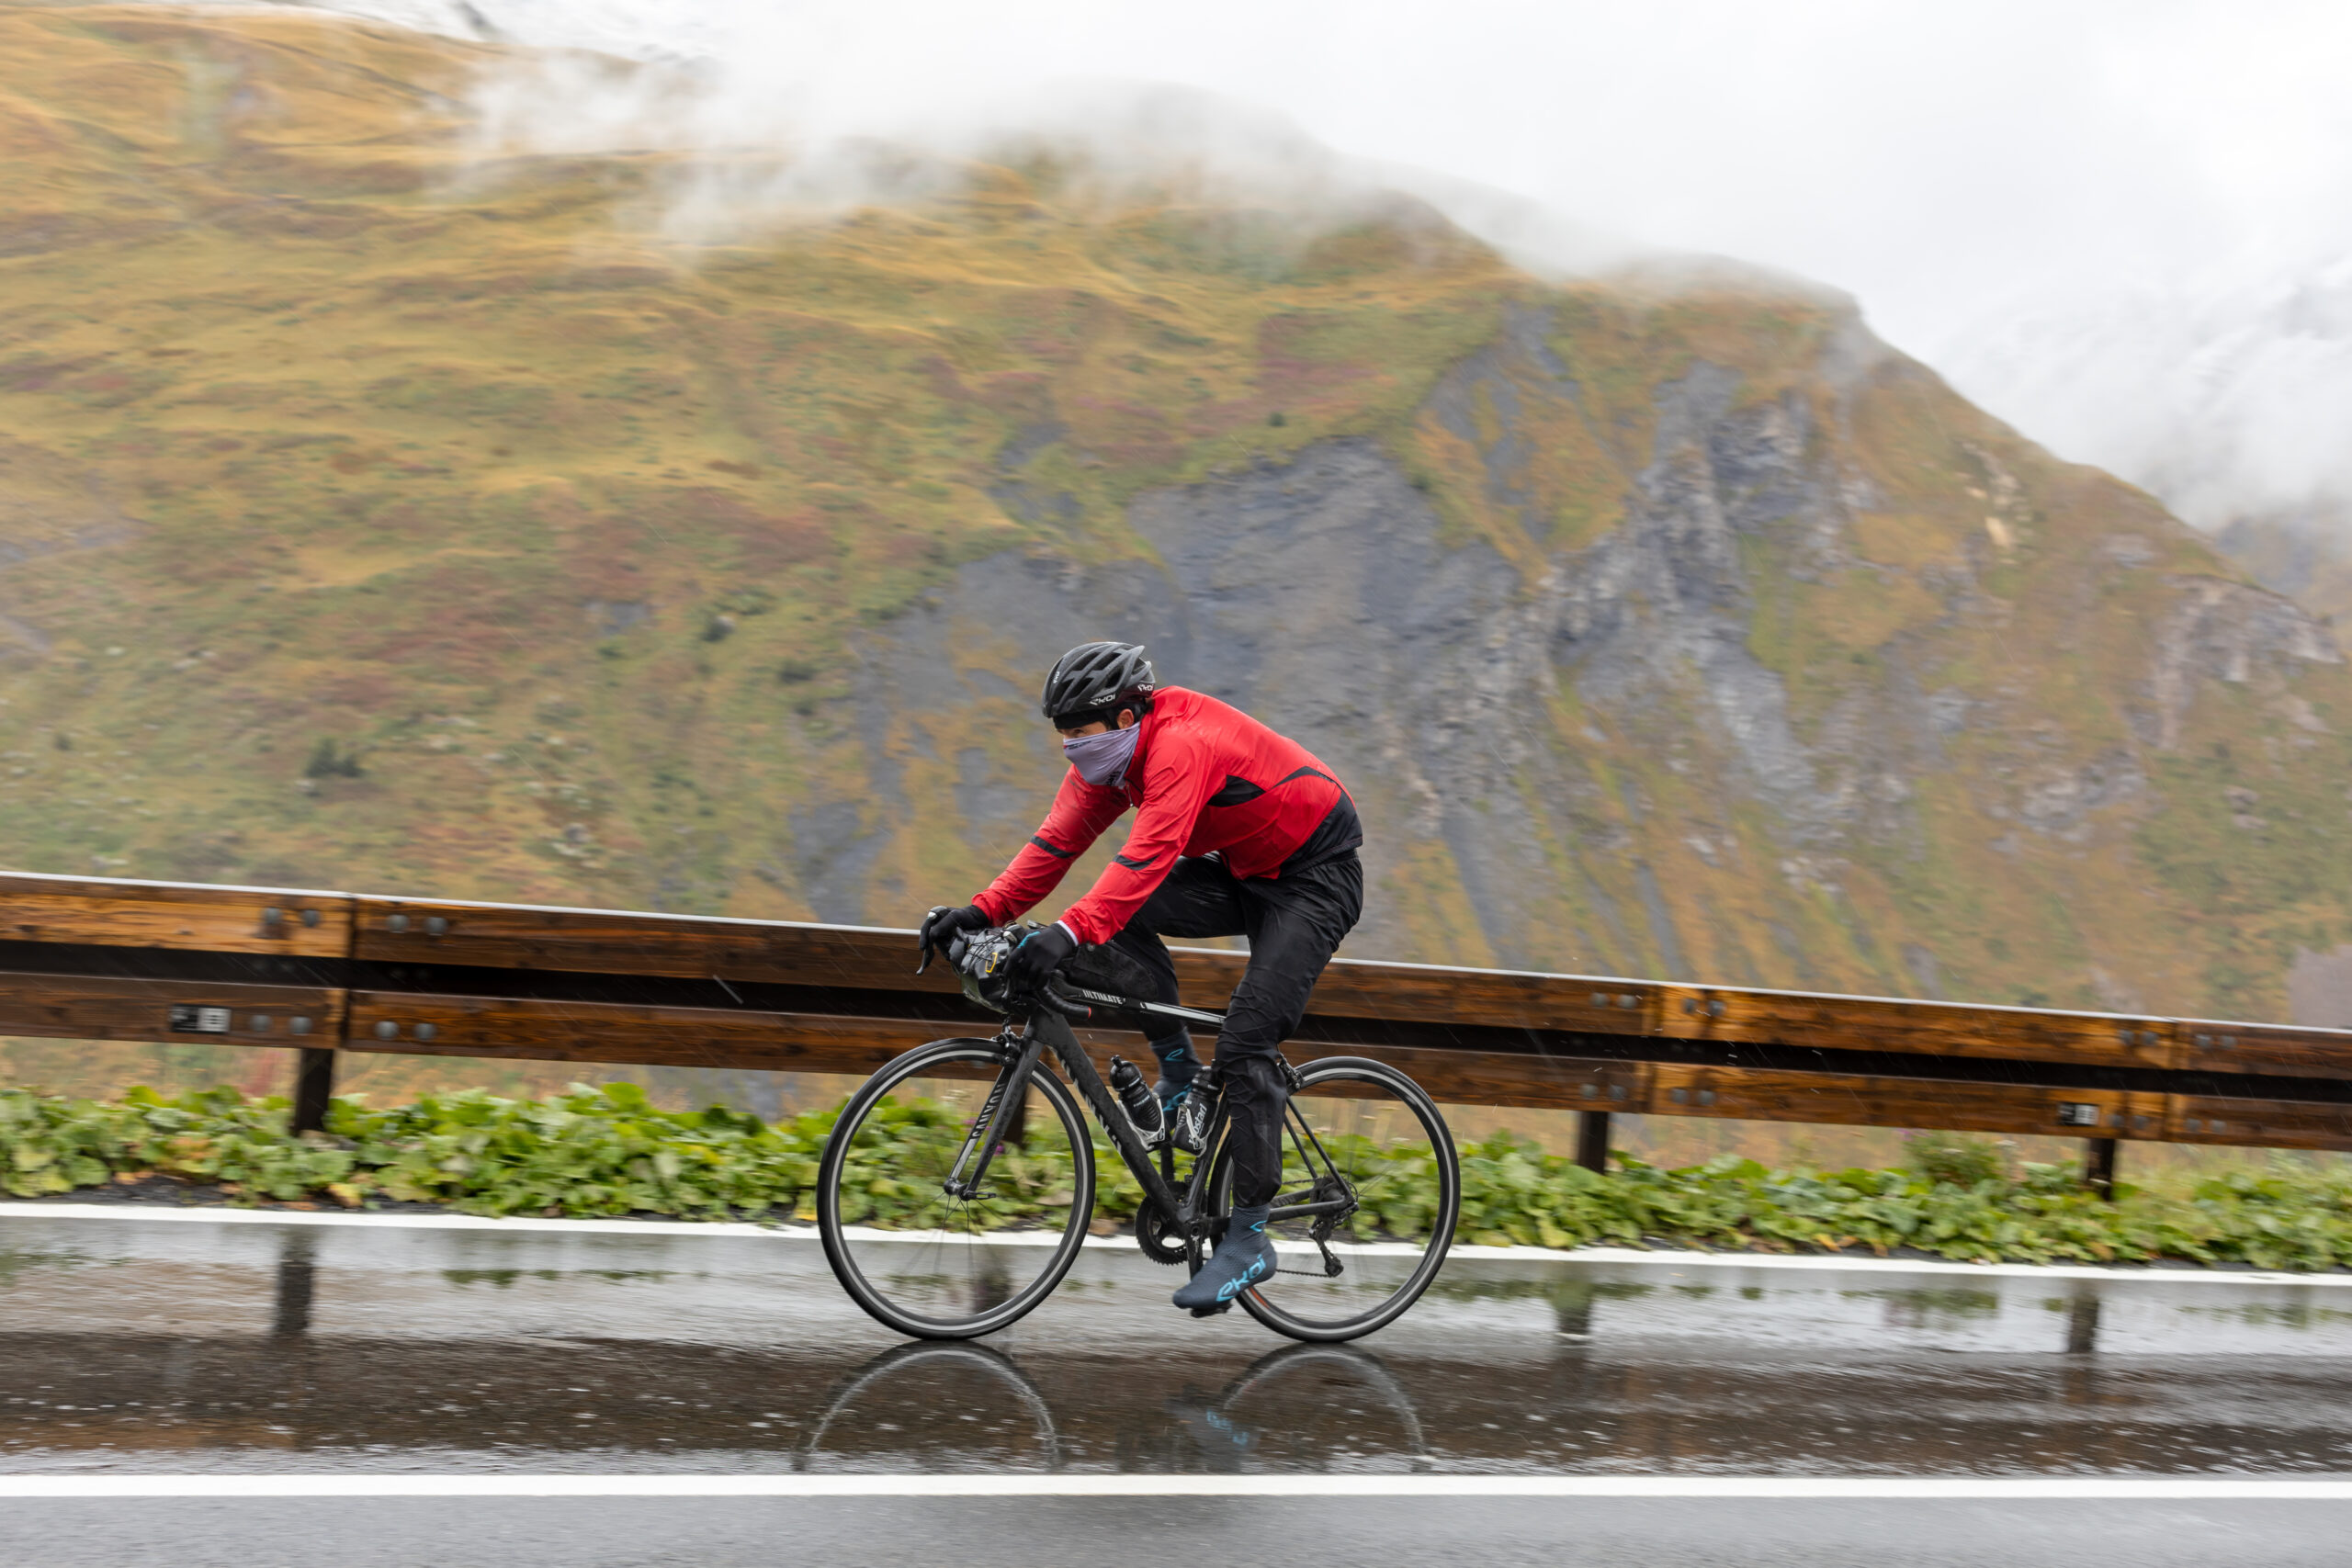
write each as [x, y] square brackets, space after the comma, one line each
[1227, 1291]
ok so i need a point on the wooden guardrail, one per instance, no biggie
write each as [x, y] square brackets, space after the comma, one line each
[322, 972]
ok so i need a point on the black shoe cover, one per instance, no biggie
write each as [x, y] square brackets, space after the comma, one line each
[1245, 1257]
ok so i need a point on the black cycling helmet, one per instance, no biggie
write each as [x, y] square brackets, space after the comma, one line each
[1093, 681]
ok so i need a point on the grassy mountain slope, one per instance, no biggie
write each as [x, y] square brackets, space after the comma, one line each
[2301, 554]
[377, 514]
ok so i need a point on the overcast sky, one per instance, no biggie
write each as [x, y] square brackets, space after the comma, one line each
[2087, 213]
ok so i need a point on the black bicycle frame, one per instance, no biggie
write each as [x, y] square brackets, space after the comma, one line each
[1050, 1029]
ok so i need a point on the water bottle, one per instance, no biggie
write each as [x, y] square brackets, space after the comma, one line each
[1142, 1105]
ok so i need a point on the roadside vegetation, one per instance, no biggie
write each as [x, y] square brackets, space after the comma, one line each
[608, 1151]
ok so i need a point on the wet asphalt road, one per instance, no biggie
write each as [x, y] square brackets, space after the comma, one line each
[194, 1348]
[1003, 1534]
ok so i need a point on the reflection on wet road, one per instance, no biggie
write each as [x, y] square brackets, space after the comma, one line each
[195, 1345]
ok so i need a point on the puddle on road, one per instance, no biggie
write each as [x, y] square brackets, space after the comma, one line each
[181, 1344]
[1643, 1306]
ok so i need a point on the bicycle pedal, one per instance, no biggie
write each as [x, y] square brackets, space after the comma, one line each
[1226, 1305]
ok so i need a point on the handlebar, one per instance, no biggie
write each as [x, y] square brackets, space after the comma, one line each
[981, 957]
[1067, 1006]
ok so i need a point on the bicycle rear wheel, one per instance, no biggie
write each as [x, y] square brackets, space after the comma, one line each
[1359, 1130]
[924, 1262]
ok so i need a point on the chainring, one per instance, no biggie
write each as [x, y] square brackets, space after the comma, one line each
[1161, 1242]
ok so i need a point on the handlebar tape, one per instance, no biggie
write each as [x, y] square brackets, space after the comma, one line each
[1068, 1007]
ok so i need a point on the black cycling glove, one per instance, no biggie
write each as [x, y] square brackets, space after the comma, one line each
[1038, 957]
[942, 925]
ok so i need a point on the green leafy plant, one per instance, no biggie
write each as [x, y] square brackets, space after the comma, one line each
[609, 1150]
[1954, 1157]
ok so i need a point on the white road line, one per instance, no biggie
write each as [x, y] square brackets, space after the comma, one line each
[1662, 1257]
[407, 1221]
[1869, 1265]
[2132, 1488]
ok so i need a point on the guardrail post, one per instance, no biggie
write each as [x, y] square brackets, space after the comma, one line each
[1592, 1140]
[313, 1087]
[2099, 1165]
[1572, 1304]
[2082, 1326]
[296, 1272]
[314, 1072]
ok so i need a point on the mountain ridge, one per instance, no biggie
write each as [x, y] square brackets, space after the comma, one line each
[378, 519]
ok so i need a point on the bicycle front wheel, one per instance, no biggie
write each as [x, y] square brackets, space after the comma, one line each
[925, 1262]
[1362, 1134]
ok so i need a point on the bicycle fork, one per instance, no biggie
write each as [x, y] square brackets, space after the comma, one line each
[987, 1136]
[980, 1146]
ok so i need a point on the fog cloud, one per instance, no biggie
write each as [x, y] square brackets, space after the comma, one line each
[2119, 223]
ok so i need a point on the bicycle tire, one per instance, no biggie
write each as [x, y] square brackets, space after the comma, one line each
[1383, 1283]
[1331, 1362]
[902, 1278]
[930, 1355]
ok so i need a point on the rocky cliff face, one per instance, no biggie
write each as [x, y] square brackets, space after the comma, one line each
[393, 529]
[1606, 754]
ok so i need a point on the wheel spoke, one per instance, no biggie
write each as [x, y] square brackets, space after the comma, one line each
[930, 1263]
[1369, 1136]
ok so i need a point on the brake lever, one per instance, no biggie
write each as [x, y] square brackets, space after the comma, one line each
[922, 943]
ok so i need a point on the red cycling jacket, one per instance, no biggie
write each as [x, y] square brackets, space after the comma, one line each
[1206, 779]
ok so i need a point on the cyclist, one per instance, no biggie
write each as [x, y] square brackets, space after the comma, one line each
[1239, 831]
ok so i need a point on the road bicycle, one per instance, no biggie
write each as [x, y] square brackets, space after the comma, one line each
[953, 1405]
[954, 1211]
